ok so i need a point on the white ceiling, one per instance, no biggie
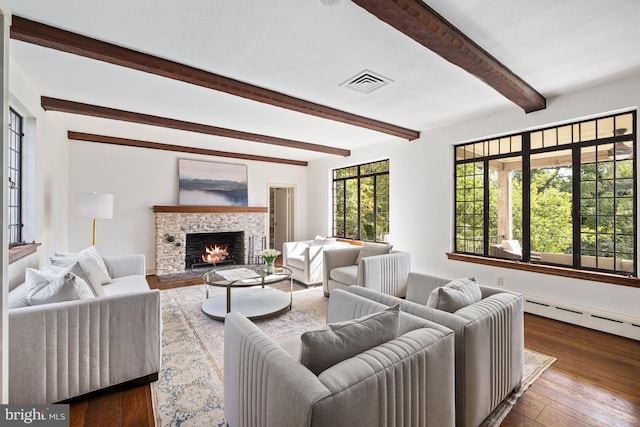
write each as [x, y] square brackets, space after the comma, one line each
[306, 50]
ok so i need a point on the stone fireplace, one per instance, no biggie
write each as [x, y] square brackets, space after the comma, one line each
[174, 223]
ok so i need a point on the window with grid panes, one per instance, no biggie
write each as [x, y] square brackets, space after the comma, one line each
[361, 202]
[565, 194]
[15, 177]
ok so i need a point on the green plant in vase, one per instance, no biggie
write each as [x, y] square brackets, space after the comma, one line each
[269, 256]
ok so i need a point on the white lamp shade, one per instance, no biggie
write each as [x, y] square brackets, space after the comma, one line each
[94, 205]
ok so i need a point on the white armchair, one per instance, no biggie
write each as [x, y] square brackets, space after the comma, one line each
[304, 258]
[354, 266]
[407, 381]
[489, 337]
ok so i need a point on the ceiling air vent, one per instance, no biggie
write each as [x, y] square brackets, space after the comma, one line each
[366, 81]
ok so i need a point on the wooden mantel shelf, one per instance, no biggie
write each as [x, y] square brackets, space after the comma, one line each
[210, 209]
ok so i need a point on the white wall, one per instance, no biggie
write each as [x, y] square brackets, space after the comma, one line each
[45, 182]
[421, 177]
[421, 191]
[141, 178]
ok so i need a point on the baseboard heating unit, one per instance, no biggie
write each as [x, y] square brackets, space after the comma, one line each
[613, 323]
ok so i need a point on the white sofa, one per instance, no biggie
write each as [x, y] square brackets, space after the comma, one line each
[406, 381]
[304, 258]
[62, 350]
[489, 342]
[385, 273]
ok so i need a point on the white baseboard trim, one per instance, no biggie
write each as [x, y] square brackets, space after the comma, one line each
[612, 323]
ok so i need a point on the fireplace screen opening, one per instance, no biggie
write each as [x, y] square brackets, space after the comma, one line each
[205, 250]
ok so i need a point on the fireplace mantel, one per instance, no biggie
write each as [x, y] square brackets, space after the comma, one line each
[209, 209]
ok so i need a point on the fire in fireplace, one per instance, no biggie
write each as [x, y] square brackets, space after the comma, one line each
[215, 253]
[206, 249]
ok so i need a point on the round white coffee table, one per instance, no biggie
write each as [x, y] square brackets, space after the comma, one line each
[250, 296]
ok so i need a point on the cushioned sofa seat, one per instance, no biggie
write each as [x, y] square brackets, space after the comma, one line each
[347, 275]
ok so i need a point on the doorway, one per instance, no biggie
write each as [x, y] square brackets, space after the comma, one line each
[281, 215]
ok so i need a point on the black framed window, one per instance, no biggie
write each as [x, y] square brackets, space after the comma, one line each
[563, 195]
[361, 201]
[15, 177]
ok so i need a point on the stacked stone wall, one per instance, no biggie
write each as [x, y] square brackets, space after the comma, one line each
[172, 228]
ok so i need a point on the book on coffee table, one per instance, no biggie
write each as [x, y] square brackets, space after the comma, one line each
[235, 274]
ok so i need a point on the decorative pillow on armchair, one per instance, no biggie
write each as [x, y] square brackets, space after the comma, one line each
[455, 295]
[336, 342]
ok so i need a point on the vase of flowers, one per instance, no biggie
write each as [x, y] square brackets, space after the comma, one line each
[269, 256]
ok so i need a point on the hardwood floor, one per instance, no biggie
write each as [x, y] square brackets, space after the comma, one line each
[594, 382]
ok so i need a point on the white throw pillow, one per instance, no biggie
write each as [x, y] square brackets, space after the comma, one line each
[92, 265]
[34, 280]
[66, 287]
[373, 249]
[336, 342]
[455, 295]
[75, 268]
[18, 296]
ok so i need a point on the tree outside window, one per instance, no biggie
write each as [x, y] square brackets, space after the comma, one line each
[361, 202]
[565, 194]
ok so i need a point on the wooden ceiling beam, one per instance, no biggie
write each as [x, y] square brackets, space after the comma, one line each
[54, 38]
[418, 21]
[61, 105]
[103, 139]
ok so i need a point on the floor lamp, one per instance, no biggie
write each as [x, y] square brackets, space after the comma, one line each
[95, 206]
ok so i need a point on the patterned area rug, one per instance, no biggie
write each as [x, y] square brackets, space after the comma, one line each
[189, 390]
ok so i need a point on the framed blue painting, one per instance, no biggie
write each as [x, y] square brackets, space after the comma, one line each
[212, 184]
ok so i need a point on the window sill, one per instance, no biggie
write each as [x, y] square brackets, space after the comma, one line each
[18, 252]
[573, 273]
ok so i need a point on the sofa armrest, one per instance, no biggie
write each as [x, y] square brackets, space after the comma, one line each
[493, 340]
[487, 291]
[68, 349]
[294, 249]
[385, 273]
[263, 384]
[125, 265]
